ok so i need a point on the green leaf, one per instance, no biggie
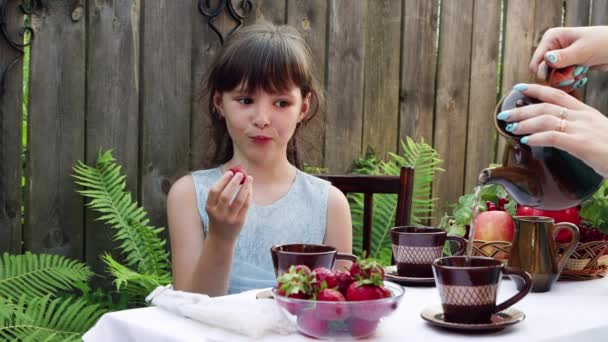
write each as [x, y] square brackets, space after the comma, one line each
[141, 245]
[595, 209]
[426, 162]
[46, 319]
[33, 275]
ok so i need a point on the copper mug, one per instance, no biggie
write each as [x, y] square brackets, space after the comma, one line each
[534, 249]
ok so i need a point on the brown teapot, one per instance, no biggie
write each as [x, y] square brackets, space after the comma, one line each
[536, 176]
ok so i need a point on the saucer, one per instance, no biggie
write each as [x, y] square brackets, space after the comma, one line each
[501, 320]
[390, 273]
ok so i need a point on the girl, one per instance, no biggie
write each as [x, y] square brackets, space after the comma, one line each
[261, 88]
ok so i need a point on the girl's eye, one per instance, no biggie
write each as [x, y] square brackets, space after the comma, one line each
[281, 103]
[245, 100]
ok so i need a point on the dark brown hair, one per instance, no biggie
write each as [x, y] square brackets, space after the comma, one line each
[261, 57]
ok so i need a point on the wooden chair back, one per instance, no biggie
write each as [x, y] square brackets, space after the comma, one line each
[369, 185]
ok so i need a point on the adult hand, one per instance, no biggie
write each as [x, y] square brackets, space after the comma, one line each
[561, 47]
[563, 122]
[227, 205]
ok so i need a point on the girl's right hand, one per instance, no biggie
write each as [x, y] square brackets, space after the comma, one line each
[226, 216]
[561, 47]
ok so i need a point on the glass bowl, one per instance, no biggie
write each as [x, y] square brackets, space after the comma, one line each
[339, 320]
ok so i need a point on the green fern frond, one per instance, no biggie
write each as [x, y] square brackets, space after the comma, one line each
[139, 243]
[426, 163]
[135, 284]
[37, 275]
[46, 319]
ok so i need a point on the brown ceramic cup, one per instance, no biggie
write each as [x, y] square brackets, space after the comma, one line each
[468, 291]
[313, 256]
[415, 249]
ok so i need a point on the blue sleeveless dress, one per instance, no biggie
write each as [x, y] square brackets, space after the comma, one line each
[297, 217]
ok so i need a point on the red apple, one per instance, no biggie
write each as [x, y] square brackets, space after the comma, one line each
[494, 226]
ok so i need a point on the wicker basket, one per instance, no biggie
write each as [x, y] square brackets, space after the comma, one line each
[494, 249]
[589, 261]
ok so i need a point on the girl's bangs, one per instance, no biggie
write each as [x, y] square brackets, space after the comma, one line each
[264, 65]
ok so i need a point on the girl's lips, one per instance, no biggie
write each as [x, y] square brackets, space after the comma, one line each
[261, 139]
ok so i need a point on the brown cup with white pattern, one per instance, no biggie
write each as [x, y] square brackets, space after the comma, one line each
[468, 288]
[415, 249]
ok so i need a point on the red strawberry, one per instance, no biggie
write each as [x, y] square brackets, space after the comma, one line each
[323, 275]
[366, 269]
[239, 169]
[310, 325]
[297, 283]
[373, 310]
[331, 311]
[360, 328]
[344, 280]
[357, 292]
[302, 269]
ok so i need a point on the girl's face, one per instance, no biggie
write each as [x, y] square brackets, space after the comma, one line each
[261, 124]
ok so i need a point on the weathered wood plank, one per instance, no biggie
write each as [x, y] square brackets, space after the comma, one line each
[418, 69]
[272, 11]
[112, 103]
[345, 58]
[526, 21]
[597, 96]
[381, 104]
[54, 211]
[577, 14]
[483, 89]
[454, 63]
[11, 134]
[309, 17]
[165, 96]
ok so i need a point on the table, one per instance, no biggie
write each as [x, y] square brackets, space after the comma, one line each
[571, 311]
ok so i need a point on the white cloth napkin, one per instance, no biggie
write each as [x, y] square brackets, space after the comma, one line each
[240, 313]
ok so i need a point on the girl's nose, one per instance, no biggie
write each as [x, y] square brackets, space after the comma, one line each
[261, 118]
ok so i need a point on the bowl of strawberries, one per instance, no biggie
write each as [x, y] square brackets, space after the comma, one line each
[330, 304]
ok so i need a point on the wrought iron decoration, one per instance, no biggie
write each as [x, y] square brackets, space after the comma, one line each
[245, 7]
[15, 44]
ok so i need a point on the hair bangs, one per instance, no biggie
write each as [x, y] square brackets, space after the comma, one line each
[267, 63]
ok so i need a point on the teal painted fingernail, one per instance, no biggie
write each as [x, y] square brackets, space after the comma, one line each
[520, 87]
[511, 127]
[579, 70]
[566, 83]
[585, 69]
[524, 140]
[503, 115]
[580, 83]
[551, 57]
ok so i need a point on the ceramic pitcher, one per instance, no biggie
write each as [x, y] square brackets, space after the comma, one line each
[534, 250]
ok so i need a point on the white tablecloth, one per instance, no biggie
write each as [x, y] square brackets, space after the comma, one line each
[571, 311]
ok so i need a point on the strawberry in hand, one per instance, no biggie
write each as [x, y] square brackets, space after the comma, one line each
[239, 169]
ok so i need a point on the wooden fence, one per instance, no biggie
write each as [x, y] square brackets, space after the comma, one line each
[124, 74]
